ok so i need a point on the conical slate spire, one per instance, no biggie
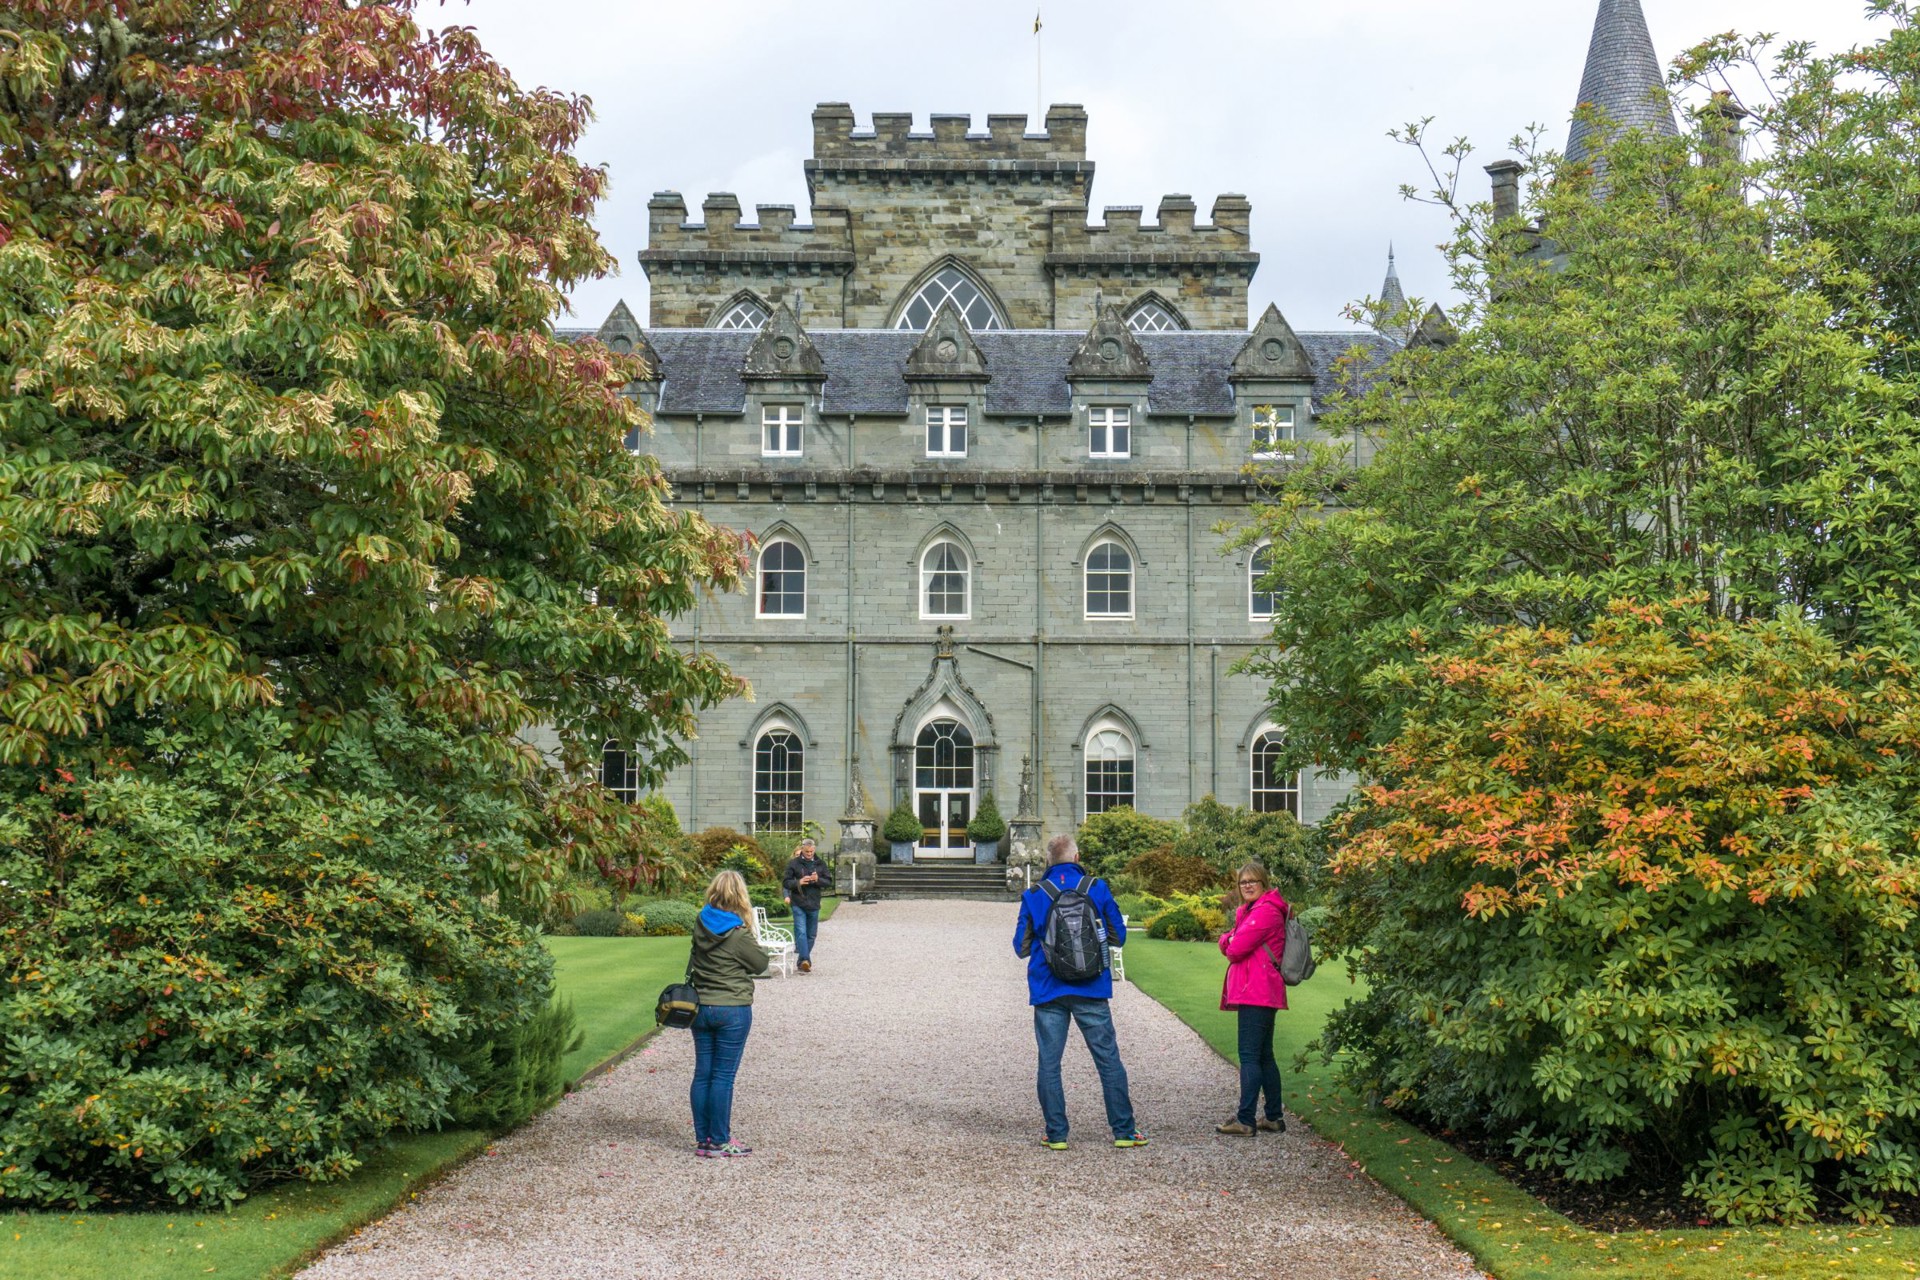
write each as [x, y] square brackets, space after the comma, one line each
[1394, 320]
[1622, 79]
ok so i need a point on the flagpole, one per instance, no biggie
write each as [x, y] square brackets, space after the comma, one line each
[1039, 94]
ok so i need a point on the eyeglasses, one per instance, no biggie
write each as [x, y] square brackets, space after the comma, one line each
[1244, 884]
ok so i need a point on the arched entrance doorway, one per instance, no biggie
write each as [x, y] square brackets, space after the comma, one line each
[944, 788]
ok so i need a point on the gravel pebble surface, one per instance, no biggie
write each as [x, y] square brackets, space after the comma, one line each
[889, 1100]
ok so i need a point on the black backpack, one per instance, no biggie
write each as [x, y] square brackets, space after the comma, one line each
[1074, 941]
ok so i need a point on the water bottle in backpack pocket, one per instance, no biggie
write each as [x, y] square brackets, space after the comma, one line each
[1074, 941]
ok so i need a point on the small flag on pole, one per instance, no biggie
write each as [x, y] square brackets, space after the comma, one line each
[1036, 22]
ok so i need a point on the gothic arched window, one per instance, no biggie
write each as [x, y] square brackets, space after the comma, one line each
[945, 581]
[1109, 581]
[779, 780]
[744, 314]
[950, 284]
[783, 580]
[1259, 599]
[1272, 790]
[1153, 317]
[1109, 769]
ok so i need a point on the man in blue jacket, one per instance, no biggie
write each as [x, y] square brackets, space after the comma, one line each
[1056, 1002]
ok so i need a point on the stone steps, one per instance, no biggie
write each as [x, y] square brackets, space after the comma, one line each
[936, 880]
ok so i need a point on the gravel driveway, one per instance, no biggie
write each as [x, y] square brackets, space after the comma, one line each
[889, 1098]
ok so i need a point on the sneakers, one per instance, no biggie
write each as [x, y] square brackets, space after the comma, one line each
[1235, 1128]
[1054, 1144]
[721, 1150]
[1274, 1126]
[1134, 1139]
[703, 1148]
[806, 966]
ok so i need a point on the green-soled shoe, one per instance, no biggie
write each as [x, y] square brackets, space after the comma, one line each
[1134, 1139]
[1054, 1144]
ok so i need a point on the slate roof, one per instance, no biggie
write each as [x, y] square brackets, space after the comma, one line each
[866, 368]
[1622, 77]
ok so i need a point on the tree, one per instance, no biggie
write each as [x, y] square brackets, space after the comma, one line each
[288, 434]
[1696, 383]
[1646, 898]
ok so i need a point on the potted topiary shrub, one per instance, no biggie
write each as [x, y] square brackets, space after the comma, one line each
[987, 830]
[903, 831]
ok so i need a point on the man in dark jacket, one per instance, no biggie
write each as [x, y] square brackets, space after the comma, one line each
[806, 879]
[1057, 1003]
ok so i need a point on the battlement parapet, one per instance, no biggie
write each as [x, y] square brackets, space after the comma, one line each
[1174, 238]
[836, 143]
[722, 234]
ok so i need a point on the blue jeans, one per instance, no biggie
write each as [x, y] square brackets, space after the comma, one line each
[1096, 1027]
[806, 927]
[1259, 1071]
[719, 1042]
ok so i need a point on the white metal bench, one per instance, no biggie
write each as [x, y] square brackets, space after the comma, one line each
[1119, 963]
[775, 941]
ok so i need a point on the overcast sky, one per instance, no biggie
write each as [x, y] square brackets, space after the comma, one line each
[1286, 101]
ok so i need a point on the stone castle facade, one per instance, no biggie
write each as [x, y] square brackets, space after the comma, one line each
[984, 448]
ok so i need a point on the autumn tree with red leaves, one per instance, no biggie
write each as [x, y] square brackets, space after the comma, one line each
[303, 502]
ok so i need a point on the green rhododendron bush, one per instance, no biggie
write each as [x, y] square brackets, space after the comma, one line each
[310, 526]
[228, 972]
[1645, 899]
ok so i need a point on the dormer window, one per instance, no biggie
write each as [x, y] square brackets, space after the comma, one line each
[744, 314]
[1109, 432]
[946, 431]
[1273, 433]
[950, 284]
[780, 431]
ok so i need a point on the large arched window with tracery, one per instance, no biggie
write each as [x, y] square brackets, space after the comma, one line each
[950, 284]
[744, 314]
[1274, 790]
[1153, 317]
[779, 781]
[1109, 769]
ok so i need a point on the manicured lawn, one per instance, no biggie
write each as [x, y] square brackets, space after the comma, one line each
[612, 983]
[1511, 1234]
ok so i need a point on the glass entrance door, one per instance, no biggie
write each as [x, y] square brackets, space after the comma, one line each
[943, 788]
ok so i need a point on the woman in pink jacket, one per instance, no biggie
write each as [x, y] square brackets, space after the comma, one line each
[1256, 990]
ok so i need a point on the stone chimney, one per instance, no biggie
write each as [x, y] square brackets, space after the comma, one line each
[1506, 188]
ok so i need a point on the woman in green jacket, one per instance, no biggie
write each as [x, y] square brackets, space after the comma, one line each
[726, 959]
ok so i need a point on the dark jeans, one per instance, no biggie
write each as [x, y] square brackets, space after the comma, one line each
[719, 1042]
[1259, 1072]
[806, 927]
[1096, 1028]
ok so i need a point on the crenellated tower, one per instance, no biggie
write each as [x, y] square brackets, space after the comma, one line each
[994, 222]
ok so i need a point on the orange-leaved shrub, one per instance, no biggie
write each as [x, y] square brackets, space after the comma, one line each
[1644, 900]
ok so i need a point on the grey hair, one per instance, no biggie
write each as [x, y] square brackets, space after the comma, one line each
[1063, 848]
[807, 843]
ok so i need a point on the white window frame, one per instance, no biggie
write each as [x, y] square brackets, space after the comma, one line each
[780, 430]
[628, 790]
[760, 580]
[966, 578]
[1254, 574]
[1099, 730]
[1290, 786]
[797, 746]
[1086, 582]
[1275, 433]
[942, 421]
[1107, 419]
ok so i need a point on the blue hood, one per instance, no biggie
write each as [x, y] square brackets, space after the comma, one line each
[718, 921]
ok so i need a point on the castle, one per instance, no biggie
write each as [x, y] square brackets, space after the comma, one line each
[983, 445]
